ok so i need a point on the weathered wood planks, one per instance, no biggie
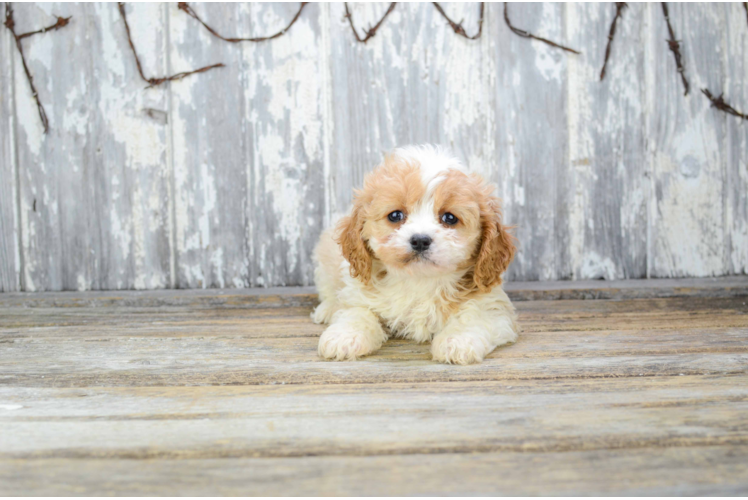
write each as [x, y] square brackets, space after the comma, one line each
[93, 190]
[736, 174]
[606, 190]
[287, 126]
[200, 392]
[659, 471]
[275, 421]
[210, 150]
[687, 144]
[9, 255]
[226, 178]
[130, 346]
[529, 137]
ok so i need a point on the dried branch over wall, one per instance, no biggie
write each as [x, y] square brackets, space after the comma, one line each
[619, 11]
[11, 25]
[372, 30]
[457, 27]
[527, 34]
[184, 6]
[61, 22]
[720, 104]
[153, 82]
[675, 48]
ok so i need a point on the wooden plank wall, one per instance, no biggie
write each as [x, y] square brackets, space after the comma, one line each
[226, 178]
[9, 265]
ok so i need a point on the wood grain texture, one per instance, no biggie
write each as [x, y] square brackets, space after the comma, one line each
[210, 148]
[713, 470]
[414, 82]
[210, 422]
[225, 179]
[606, 188]
[530, 139]
[93, 190]
[188, 346]
[736, 174]
[687, 144]
[722, 287]
[286, 129]
[204, 395]
[9, 255]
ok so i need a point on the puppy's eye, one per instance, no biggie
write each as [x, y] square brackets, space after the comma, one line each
[449, 219]
[396, 216]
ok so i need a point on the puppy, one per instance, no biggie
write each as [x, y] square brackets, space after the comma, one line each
[419, 257]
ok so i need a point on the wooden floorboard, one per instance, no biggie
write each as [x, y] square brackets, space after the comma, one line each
[209, 394]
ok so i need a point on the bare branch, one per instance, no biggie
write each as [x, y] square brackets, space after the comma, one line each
[371, 31]
[675, 48]
[720, 104]
[61, 22]
[11, 25]
[619, 11]
[457, 27]
[184, 6]
[527, 34]
[153, 82]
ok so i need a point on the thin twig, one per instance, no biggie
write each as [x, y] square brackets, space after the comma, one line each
[619, 11]
[457, 27]
[371, 31]
[186, 8]
[675, 48]
[745, 6]
[61, 22]
[11, 25]
[719, 103]
[153, 82]
[527, 34]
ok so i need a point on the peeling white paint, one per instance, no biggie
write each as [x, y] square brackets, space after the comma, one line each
[299, 133]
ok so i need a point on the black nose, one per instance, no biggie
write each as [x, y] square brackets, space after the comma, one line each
[420, 242]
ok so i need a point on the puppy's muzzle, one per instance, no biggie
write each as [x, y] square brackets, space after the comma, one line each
[420, 242]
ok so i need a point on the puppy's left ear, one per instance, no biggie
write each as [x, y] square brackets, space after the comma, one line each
[353, 246]
[496, 247]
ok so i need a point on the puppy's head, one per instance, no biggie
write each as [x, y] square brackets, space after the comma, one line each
[420, 213]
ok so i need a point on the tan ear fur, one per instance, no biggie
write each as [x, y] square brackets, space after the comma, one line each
[496, 248]
[353, 246]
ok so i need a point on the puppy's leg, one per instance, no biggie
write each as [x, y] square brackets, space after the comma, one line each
[327, 277]
[471, 334]
[353, 333]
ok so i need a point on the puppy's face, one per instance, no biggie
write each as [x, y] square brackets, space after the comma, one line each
[421, 214]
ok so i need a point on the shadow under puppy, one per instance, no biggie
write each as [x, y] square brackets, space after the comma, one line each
[419, 257]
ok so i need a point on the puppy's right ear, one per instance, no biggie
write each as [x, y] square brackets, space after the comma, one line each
[351, 241]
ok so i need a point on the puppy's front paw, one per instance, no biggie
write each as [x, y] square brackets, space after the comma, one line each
[322, 314]
[462, 349]
[341, 343]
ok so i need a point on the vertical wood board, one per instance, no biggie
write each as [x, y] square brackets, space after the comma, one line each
[9, 257]
[607, 188]
[285, 133]
[93, 190]
[210, 148]
[687, 145]
[530, 138]
[735, 188]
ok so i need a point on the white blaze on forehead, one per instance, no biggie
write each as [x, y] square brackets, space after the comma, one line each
[433, 161]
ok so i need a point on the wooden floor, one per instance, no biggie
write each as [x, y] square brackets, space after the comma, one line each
[196, 393]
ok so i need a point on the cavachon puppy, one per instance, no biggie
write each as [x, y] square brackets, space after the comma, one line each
[419, 257]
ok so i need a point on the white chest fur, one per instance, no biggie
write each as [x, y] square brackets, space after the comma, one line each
[410, 307]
